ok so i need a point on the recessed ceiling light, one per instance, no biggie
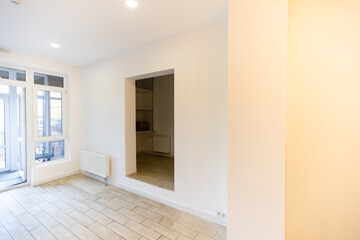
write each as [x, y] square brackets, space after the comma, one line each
[131, 3]
[55, 45]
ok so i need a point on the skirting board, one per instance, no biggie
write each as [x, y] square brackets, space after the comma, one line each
[205, 216]
[36, 183]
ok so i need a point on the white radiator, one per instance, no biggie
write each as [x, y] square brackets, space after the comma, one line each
[162, 144]
[95, 163]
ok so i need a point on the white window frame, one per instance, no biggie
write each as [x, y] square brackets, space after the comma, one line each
[30, 115]
[64, 136]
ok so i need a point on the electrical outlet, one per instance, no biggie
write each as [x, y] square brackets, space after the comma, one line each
[221, 214]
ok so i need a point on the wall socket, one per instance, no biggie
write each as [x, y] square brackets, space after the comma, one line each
[221, 214]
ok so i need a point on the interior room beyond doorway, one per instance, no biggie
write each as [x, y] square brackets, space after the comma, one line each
[155, 131]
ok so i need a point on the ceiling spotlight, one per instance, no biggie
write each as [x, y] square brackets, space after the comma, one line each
[131, 3]
[16, 2]
[55, 45]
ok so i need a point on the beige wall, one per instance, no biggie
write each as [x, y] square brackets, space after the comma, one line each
[256, 107]
[323, 119]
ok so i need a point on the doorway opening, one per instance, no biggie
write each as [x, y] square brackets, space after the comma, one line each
[13, 169]
[154, 107]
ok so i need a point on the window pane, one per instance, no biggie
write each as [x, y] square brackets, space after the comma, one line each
[48, 80]
[2, 158]
[2, 123]
[49, 113]
[49, 151]
[2, 134]
[4, 89]
[12, 74]
[56, 118]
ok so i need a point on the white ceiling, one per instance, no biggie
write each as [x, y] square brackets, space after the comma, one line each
[91, 30]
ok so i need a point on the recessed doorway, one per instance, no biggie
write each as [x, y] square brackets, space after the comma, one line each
[154, 122]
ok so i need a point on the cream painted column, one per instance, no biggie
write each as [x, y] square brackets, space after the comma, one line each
[323, 119]
[257, 119]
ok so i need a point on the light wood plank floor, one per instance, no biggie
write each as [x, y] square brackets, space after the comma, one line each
[155, 170]
[79, 207]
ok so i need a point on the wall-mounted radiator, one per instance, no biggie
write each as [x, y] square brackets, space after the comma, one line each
[95, 163]
[162, 144]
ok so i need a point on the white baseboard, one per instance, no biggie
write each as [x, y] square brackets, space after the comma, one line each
[206, 216]
[39, 182]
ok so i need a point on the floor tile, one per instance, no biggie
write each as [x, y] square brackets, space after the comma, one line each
[62, 233]
[4, 234]
[46, 220]
[41, 233]
[83, 233]
[104, 232]
[28, 221]
[21, 234]
[98, 217]
[10, 222]
[179, 228]
[148, 214]
[64, 219]
[167, 232]
[143, 230]
[115, 216]
[123, 231]
[132, 215]
[82, 218]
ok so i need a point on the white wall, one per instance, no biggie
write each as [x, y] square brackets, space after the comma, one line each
[52, 170]
[257, 100]
[200, 62]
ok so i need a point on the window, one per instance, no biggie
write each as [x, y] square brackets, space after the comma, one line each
[47, 151]
[50, 133]
[49, 118]
[12, 74]
[48, 80]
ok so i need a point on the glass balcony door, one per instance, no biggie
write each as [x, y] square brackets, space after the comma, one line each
[5, 163]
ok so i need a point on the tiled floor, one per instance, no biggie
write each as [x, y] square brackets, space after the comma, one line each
[155, 170]
[82, 208]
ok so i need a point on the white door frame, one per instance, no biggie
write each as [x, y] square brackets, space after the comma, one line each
[7, 133]
[27, 85]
